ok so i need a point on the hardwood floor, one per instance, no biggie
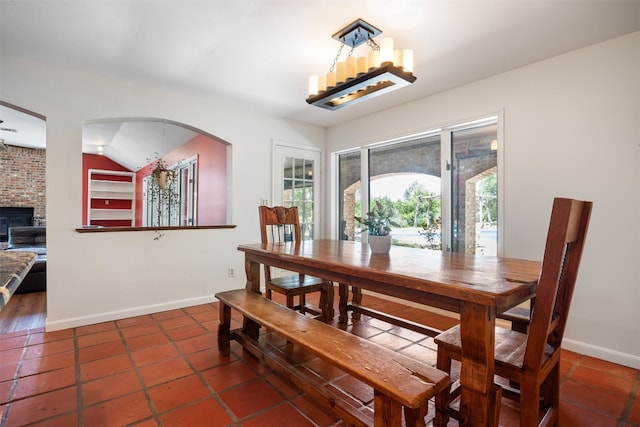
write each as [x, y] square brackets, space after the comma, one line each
[24, 311]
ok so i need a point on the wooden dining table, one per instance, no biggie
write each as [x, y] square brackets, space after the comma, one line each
[477, 287]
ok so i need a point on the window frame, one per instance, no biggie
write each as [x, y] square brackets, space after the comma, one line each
[445, 132]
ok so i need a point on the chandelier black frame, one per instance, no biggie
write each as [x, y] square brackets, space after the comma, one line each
[380, 76]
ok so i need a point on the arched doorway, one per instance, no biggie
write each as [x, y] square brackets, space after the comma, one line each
[23, 204]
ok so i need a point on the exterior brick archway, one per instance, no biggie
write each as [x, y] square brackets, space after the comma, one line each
[473, 161]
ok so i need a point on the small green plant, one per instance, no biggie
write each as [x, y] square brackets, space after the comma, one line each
[378, 221]
[431, 232]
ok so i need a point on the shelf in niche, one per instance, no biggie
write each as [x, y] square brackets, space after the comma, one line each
[102, 189]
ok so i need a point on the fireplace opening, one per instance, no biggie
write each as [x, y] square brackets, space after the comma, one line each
[14, 217]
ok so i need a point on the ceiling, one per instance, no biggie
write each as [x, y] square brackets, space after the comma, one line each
[258, 54]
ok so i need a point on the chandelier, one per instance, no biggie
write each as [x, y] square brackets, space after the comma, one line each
[355, 79]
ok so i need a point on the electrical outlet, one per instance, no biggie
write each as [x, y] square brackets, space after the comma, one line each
[264, 202]
[231, 272]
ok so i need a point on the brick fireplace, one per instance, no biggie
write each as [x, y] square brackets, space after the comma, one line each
[23, 184]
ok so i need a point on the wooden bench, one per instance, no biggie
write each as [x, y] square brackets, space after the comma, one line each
[399, 382]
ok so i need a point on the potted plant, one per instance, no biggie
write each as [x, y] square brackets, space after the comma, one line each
[162, 174]
[378, 226]
[162, 193]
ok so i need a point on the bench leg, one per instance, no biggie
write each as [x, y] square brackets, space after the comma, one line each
[442, 399]
[415, 417]
[386, 412]
[224, 330]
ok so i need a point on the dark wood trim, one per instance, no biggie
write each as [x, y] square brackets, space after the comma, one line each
[118, 229]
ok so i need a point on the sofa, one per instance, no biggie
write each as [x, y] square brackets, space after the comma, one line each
[31, 239]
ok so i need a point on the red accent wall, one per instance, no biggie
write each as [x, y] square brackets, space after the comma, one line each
[212, 178]
[94, 161]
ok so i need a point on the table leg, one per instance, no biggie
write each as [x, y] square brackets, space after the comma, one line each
[252, 270]
[480, 401]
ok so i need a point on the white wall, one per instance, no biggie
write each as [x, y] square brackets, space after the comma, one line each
[571, 130]
[104, 276]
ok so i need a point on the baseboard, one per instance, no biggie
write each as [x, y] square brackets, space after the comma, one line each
[75, 322]
[607, 354]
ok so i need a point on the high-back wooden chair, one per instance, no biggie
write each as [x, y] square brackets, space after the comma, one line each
[532, 359]
[280, 225]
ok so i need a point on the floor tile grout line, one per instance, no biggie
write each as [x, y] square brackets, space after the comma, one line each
[284, 399]
[14, 382]
[79, 397]
[575, 364]
[213, 393]
[154, 412]
[630, 400]
[259, 378]
[626, 412]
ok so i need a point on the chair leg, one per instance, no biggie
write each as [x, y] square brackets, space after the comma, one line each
[289, 301]
[442, 399]
[529, 404]
[326, 302]
[357, 299]
[549, 391]
[303, 303]
[343, 301]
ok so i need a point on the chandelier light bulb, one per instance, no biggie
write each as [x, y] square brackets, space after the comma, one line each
[407, 60]
[386, 50]
[313, 85]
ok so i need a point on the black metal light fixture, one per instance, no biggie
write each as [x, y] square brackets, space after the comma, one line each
[356, 79]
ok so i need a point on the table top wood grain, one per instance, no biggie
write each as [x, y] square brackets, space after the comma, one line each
[441, 277]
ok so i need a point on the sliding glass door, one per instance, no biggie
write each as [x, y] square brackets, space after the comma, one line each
[474, 192]
[441, 188]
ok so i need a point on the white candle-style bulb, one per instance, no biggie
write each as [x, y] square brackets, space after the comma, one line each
[313, 85]
[331, 79]
[397, 58]
[352, 67]
[363, 66]
[341, 72]
[407, 60]
[386, 50]
[322, 83]
[374, 59]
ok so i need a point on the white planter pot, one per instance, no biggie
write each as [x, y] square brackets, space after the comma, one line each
[380, 244]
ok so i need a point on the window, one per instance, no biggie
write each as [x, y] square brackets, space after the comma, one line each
[441, 186]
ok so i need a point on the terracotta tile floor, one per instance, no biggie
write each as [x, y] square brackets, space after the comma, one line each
[164, 370]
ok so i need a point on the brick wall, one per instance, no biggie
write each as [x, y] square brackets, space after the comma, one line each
[23, 181]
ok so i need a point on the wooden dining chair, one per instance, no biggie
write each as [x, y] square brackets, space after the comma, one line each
[280, 225]
[532, 359]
